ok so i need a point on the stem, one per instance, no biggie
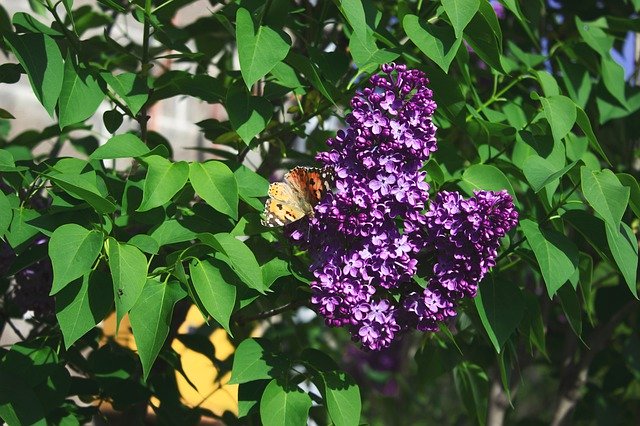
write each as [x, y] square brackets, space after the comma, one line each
[75, 45]
[272, 312]
[497, 96]
[143, 117]
[13, 327]
[575, 375]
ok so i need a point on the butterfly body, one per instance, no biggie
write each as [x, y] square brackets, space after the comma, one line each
[294, 197]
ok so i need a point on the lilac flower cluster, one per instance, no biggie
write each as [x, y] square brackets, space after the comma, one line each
[464, 236]
[365, 237]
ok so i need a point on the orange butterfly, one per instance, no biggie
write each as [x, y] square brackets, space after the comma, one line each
[294, 197]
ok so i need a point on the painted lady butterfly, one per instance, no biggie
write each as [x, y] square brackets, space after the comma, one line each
[294, 197]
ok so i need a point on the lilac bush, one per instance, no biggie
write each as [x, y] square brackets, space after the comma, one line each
[365, 237]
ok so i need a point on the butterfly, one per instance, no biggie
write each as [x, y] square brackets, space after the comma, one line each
[294, 197]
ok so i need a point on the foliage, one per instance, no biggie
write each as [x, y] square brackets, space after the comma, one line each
[534, 98]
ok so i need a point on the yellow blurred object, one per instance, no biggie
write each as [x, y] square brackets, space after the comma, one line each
[213, 392]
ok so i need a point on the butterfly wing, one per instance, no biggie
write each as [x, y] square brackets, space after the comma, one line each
[295, 197]
[284, 205]
[311, 182]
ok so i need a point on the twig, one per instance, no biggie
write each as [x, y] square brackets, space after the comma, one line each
[272, 312]
[575, 376]
[13, 327]
[143, 117]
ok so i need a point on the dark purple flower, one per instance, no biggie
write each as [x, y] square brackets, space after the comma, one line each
[365, 237]
[359, 254]
[464, 235]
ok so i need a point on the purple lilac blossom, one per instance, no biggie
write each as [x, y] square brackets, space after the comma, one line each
[365, 237]
[464, 235]
[498, 8]
[360, 255]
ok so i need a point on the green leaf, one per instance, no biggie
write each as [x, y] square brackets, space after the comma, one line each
[126, 145]
[6, 214]
[438, 43]
[237, 255]
[593, 34]
[258, 51]
[560, 112]
[83, 187]
[571, 308]
[274, 269]
[128, 267]
[482, 176]
[534, 324]
[342, 398]
[286, 76]
[27, 23]
[365, 51]
[309, 70]
[582, 120]
[20, 231]
[254, 359]
[541, 172]
[19, 404]
[130, 87]
[171, 232]
[250, 184]
[73, 251]
[514, 6]
[460, 12]
[151, 318]
[40, 57]
[624, 248]
[548, 83]
[284, 407]
[145, 243]
[591, 228]
[353, 10]
[634, 199]
[484, 36]
[604, 192]
[214, 289]
[501, 306]
[248, 114]
[112, 120]
[83, 304]
[557, 256]
[216, 184]
[577, 81]
[6, 115]
[472, 385]
[80, 95]
[164, 179]
[613, 78]
[537, 170]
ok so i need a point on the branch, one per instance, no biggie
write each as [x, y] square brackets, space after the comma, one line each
[576, 375]
[498, 403]
[239, 320]
[143, 117]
